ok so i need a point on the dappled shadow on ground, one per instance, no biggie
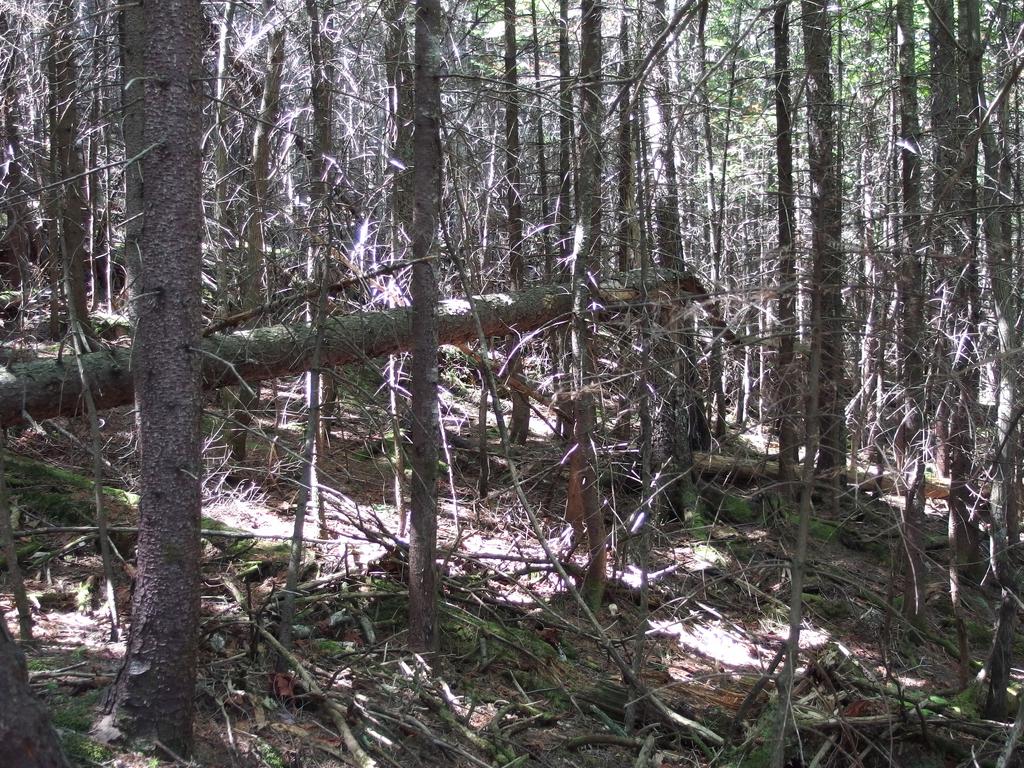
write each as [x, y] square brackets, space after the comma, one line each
[521, 677]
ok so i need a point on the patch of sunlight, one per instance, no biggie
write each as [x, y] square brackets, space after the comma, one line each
[810, 638]
[910, 682]
[633, 576]
[713, 640]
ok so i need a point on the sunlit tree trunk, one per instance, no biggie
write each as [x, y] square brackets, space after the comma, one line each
[399, 76]
[251, 287]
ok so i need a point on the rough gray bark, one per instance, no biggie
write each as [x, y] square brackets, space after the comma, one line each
[155, 688]
[68, 165]
[788, 387]
[131, 23]
[583, 501]
[910, 445]
[826, 229]
[1004, 533]
[519, 424]
[425, 431]
[28, 739]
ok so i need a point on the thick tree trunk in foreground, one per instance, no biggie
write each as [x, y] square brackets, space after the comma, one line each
[28, 739]
[155, 689]
[47, 388]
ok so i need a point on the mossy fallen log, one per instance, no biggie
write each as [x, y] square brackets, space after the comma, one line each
[43, 389]
[758, 469]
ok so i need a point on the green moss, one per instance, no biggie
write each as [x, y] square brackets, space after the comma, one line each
[74, 713]
[965, 703]
[978, 633]
[465, 634]
[324, 647]
[825, 608]
[63, 497]
[81, 750]
[269, 755]
[738, 510]
[820, 530]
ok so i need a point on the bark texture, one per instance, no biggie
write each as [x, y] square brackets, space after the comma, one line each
[155, 689]
[28, 739]
[826, 229]
[425, 430]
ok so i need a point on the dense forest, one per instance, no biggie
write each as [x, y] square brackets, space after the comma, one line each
[510, 383]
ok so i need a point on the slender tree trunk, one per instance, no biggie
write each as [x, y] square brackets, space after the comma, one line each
[72, 205]
[544, 183]
[583, 461]
[21, 246]
[425, 430]
[998, 229]
[788, 384]
[826, 230]
[564, 209]
[628, 225]
[910, 445]
[254, 281]
[322, 142]
[131, 28]
[155, 689]
[222, 160]
[519, 424]
[398, 68]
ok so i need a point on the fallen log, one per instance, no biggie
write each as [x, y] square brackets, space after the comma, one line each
[760, 469]
[43, 389]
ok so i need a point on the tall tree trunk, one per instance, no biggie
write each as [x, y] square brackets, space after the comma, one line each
[254, 279]
[222, 158]
[399, 75]
[542, 160]
[786, 402]
[425, 430]
[628, 229]
[564, 209]
[132, 33]
[826, 231]
[910, 445]
[519, 424]
[998, 230]
[583, 492]
[21, 245]
[72, 206]
[680, 414]
[155, 689]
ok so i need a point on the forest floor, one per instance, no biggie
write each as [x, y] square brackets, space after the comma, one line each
[522, 677]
